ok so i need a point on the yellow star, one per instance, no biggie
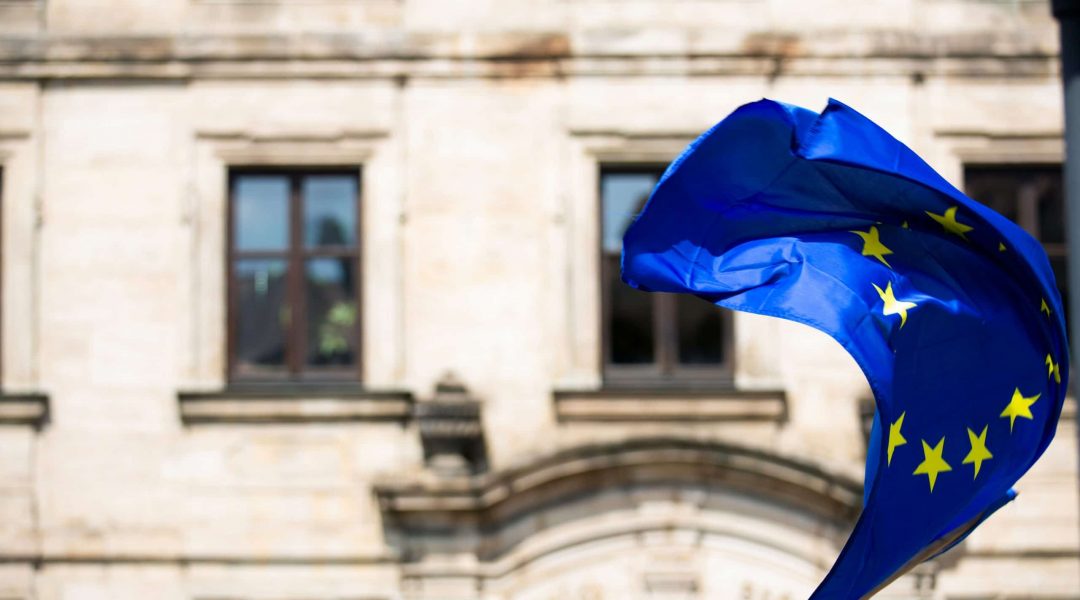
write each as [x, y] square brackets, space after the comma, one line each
[932, 463]
[1001, 247]
[892, 305]
[1053, 368]
[1044, 308]
[905, 225]
[979, 452]
[872, 245]
[949, 222]
[895, 439]
[1019, 406]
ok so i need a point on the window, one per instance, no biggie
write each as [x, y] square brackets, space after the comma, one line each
[294, 286]
[1032, 196]
[652, 339]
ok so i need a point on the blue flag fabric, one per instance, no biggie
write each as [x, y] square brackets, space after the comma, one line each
[950, 309]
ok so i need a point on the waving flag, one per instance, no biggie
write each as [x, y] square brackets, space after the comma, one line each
[949, 308]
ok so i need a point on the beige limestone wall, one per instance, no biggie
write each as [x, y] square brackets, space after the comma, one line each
[479, 185]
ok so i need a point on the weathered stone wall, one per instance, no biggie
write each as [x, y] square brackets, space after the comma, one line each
[479, 127]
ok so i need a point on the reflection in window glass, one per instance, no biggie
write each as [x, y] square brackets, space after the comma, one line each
[261, 212]
[262, 312]
[631, 321]
[331, 311]
[624, 196]
[294, 295]
[329, 210]
[630, 326]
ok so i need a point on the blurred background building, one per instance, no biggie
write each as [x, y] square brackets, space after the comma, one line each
[319, 299]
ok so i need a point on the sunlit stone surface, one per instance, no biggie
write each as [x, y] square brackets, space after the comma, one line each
[478, 128]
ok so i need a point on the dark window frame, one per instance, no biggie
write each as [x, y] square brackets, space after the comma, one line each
[1042, 176]
[666, 371]
[1027, 202]
[296, 254]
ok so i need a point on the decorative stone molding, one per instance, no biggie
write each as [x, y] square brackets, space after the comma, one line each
[615, 405]
[485, 516]
[1011, 142]
[24, 409]
[21, 204]
[281, 403]
[451, 431]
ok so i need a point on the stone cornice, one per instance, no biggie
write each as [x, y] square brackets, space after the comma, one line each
[170, 559]
[394, 54]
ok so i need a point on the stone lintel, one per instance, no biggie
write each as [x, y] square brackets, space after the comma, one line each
[392, 69]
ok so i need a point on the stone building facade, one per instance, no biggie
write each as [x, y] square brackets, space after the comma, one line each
[306, 299]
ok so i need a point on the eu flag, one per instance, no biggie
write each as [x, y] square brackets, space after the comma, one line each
[949, 308]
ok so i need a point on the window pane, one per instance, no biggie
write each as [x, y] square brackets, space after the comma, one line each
[1051, 208]
[1060, 266]
[262, 312]
[630, 328]
[331, 311]
[994, 188]
[261, 212]
[631, 336]
[700, 331]
[329, 210]
[623, 197]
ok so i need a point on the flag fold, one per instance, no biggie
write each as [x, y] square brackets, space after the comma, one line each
[950, 309]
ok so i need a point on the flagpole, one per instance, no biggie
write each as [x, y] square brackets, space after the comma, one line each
[1068, 15]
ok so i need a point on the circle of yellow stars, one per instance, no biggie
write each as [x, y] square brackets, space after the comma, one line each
[934, 463]
[1019, 405]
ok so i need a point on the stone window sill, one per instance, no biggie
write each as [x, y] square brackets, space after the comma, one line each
[30, 409]
[670, 405]
[293, 403]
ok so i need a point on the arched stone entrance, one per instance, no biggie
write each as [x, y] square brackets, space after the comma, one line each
[658, 519]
